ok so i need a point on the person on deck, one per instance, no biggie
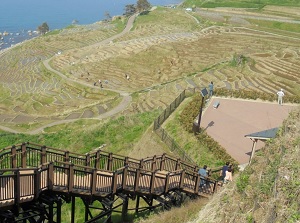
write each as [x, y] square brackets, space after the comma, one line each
[203, 175]
[223, 171]
[228, 175]
[211, 89]
[280, 96]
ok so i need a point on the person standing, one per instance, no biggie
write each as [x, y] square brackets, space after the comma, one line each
[280, 96]
[228, 176]
[203, 175]
[223, 171]
[211, 89]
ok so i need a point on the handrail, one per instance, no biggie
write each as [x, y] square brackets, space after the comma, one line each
[90, 158]
[122, 172]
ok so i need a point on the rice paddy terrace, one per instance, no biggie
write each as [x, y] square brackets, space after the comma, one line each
[51, 78]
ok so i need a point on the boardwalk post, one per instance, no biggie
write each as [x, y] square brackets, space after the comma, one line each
[87, 159]
[153, 165]
[51, 212]
[97, 161]
[66, 158]
[58, 210]
[114, 182]
[167, 183]
[126, 161]
[94, 180]
[152, 183]
[137, 204]
[124, 177]
[124, 208]
[162, 164]
[137, 179]
[43, 155]
[17, 186]
[182, 179]
[23, 155]
[142, 163]
[178, 164]
[71, 177]
[110, 161]
[51, 176]
[73, 209]
[37, 184]
[197, 183]
[13, 157]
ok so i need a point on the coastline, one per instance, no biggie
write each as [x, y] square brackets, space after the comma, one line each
[6, 49]
[3, 51]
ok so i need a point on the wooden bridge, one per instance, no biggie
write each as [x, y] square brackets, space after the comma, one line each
[36, 180]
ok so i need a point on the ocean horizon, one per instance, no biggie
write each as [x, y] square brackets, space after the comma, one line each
[19, 18]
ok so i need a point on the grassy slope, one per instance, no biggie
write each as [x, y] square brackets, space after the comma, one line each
[82, 136]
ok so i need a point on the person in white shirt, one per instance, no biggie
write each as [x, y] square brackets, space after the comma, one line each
[280, 96]
[228, 177]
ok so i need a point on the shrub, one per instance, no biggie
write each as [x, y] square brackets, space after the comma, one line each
[187, 117]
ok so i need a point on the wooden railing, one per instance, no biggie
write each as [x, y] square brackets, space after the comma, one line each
[28, 169]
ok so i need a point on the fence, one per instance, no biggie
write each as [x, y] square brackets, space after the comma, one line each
[170, 142]
[169, 110]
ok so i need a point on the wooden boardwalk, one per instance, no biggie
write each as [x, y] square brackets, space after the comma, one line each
[28, 170]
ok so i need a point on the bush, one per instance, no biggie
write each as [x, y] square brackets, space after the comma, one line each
[187, 117]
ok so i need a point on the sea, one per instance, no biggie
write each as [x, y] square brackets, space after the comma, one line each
[19, 19]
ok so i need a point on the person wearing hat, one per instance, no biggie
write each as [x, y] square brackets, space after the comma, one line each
[280, 96]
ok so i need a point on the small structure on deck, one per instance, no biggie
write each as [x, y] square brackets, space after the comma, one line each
[263, 136]
[216, 104]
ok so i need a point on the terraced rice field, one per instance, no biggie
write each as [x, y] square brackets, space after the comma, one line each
[32, 96]
[161, 59]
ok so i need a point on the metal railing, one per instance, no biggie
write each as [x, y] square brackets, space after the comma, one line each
[162, 133]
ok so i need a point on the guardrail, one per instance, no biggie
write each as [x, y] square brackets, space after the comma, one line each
[28, 169]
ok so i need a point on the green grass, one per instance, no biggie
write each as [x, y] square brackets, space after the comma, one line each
[54, 32]
[84, 135]
[171, 18]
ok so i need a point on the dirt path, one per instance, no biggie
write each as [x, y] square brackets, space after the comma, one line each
[119, 108]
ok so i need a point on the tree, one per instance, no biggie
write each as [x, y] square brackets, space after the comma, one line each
[43, 28]
[107, 15]
[142, 5]
[129, 10]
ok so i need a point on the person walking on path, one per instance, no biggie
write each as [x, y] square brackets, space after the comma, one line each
[211, 89]
[280, 96]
